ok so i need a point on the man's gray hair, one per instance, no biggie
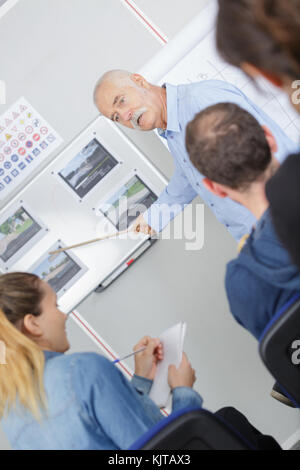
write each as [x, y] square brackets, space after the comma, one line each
[119, 77]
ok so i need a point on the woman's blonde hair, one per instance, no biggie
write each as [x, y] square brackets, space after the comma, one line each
[21, 372]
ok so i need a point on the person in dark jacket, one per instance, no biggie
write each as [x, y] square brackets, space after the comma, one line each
[283, 192]
[236, 156]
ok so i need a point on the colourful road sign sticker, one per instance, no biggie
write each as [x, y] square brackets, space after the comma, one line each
[36, 152]
[22, 136]
[22, 165]
[22, 151]
[43, 145]
[14, 143]
[29, 129]
[51, 138]
[7, 150]
[36, 137]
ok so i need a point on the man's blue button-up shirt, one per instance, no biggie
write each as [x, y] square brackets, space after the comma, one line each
[183, 103]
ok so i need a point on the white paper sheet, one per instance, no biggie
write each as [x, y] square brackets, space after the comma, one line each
[172, 340]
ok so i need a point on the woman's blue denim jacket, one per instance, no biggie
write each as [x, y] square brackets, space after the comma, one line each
[91, 405]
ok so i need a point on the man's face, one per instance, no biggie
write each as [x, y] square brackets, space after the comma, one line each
[137, 106]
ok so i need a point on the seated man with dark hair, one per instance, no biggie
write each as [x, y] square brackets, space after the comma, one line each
[236, 156]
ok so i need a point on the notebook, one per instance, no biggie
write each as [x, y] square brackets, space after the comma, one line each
[172, 340]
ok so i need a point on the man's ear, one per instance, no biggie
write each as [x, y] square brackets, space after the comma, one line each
[271, 139]
[214, 188]
[139, 80]
[255, 72]
[31, 325]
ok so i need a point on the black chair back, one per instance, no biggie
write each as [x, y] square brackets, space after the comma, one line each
[280, 349]
[193, 430]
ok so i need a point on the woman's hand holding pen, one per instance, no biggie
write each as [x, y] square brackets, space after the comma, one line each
[147, 360]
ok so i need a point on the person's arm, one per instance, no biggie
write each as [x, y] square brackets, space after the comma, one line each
[141, 384]
[110, 401]
[146, 363]
[122, 410]
[170, 203]
[250, 298]
[181, 381]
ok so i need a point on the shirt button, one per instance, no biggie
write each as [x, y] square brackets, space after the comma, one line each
[212, 205]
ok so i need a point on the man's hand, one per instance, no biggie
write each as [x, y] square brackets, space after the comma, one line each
[141, 226]
[147, 360]
[184, 376]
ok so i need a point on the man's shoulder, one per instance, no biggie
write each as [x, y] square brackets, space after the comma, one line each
[193, 89]
[262, 249]
[195, 97]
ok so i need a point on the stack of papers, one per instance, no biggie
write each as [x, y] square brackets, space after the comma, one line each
[172, 340]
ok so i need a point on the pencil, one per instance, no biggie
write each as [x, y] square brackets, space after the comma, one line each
[129, 355]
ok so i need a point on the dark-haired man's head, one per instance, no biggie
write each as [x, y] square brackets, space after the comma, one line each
[283, 192]
[234, 153]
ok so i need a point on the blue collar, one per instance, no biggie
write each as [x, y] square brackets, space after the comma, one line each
[50, 354]
[173, 124]
[265, 218]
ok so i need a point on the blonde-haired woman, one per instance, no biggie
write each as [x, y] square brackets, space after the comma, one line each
[49, 400]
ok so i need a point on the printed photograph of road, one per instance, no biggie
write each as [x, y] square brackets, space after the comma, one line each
[15, 232]
[87, 168]
[57, 270]
[131, 200]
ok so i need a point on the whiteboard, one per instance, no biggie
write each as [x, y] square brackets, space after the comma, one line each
[70, 219]
[192, 57]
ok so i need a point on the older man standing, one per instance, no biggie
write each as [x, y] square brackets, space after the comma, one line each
[130, 100]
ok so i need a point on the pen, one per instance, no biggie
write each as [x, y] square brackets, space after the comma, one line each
[129, 355]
